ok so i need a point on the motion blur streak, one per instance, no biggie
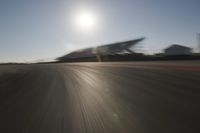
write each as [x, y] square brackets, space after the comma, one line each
[100, 98]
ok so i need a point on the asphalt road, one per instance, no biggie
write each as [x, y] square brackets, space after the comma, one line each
[144, 97]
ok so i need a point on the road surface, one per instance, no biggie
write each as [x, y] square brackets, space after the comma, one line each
[143, 97]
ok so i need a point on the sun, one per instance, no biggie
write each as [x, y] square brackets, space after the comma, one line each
[85, 20]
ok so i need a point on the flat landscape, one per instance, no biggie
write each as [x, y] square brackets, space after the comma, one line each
[118, 97]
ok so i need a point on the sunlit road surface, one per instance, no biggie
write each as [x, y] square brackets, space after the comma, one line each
[144, 97]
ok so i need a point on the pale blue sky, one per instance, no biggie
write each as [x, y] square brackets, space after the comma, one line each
[43, 29]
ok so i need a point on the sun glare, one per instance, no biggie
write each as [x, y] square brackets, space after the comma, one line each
[85, 20]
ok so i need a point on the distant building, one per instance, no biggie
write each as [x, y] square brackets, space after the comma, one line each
[109, 49]
[176, 49]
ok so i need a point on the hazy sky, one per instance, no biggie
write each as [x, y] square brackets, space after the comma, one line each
[43, 29]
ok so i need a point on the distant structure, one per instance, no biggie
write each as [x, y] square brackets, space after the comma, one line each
[117, 48]
[176, 49]
[198, 42]
[109, 49]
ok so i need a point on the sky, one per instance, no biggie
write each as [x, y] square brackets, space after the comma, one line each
[39, 30]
